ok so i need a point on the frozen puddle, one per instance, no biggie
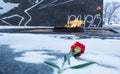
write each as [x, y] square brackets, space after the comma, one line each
[105, 52]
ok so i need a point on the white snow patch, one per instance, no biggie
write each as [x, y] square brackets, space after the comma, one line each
[33, 57]
[103, 60]
[23, 27]
[23, 42]
[92, 69]
[111, 1]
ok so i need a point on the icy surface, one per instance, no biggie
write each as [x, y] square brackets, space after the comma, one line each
[105, 52]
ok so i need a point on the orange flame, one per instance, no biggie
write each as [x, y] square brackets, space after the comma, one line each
[98, 8]
[74, 24]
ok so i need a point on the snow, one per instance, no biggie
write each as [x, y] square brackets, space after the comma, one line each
[23, 27]
[32, 57]
[93, 69]
[104, 52]
[111, 1]
[112, 25]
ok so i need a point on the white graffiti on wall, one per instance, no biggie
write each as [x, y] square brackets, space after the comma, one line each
[7, 7]
[89, 20]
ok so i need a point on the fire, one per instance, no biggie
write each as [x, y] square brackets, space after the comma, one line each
[74, 24]
[98, 8]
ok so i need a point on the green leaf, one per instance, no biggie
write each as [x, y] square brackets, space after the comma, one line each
[70, 53]
[65, 59]
[60, 71]
[52, 64]
[68, 59]
[82, 65]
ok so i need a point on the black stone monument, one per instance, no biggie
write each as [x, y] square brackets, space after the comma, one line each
[52, 12]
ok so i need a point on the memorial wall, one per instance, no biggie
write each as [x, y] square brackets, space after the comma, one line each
[51, 12]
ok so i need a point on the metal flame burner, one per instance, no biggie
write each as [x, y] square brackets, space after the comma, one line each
[63, 29]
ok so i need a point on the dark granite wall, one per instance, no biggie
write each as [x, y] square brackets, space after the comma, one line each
[52, 12]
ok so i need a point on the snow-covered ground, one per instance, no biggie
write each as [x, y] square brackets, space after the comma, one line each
[117, 25]
[111, 1]
[24, 27]
[105, 52]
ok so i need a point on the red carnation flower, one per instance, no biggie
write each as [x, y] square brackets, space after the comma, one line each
[77, 49]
